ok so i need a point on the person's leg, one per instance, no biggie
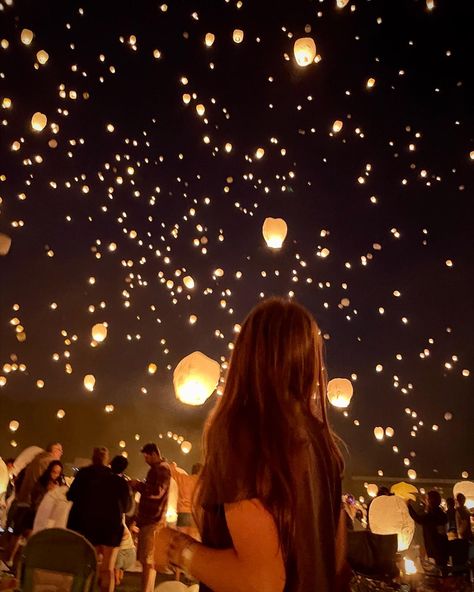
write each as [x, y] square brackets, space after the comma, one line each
[107, 568]
[148, 577]
[146, 545]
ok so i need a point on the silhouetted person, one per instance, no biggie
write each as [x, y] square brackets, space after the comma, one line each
[463, 518]
[451, 527]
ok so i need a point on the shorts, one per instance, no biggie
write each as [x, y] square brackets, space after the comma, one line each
[146, 543]
[126, 559]
[23, 519]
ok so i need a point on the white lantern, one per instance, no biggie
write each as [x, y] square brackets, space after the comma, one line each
[209, 39]
[340, 392]
[467, 489]
[99, 332]
[337, 126]
[200, 109]
[186, 98]
[372, 489]
[388, 514]
[305, 51]
[238, 36]
[39, 121]
[152, 368]
[188, 282]
[26, 36]
[259, 153]
[13, 425]
[42, 56]
[195, 378]
[379, 433]
[389, 432]
[5, 244]
[406, 491]
[342, 3]
[274, 232]
[89, 382]
[411, 474]
[186, 447]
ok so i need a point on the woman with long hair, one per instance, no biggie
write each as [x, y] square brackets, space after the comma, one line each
[52, 477]
[269, 496]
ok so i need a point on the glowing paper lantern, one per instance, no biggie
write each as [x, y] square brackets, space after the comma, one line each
[337, 126]
[89, 382]
[379, 433]
[200, 109]
[42, 56]
[13, 425]
[26, 36]
[340, 392]
[389, 432]
[152, 368]
[411, 474]
[274, 232]
[388, 514]
[209, 39]
[186, 447]
[238, 36]
[60, 414]
[372, 489]
[39, 121]
[4, 477]
[5, 244]
[195, 378]
[342, 3]
[188, 282]
[259, 153]
[99, 332]
[370, 82]
[305, 51]
[406, 491]
[186, 98]
[467, 489]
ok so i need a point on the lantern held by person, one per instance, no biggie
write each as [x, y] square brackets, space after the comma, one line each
[274, 232]
[388, 514]
[195, 378]
[406, 491]
[340, 392]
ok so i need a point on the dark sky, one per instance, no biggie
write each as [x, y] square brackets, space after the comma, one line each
[399, 175]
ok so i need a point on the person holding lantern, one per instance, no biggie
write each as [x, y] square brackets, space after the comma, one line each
[268, 499]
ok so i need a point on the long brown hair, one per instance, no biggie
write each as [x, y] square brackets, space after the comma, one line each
[274, 402]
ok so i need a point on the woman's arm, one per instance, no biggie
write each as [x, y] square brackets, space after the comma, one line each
[254, 564]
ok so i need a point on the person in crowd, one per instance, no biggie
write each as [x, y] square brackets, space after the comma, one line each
[127, 554]
[268, 500]
[433, 522]
[53, 477]
[186, 488]
[451, 527]
[23, 515]
[151, 510]
[99, 500]
[463, 518]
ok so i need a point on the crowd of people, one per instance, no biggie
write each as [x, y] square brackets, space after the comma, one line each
[263, 513]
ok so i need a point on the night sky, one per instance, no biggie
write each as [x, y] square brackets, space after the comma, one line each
[127, 190]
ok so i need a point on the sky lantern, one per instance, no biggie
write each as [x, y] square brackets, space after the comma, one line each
[209, 39]
[186, 98]
[372, 489]
[13, 425]
[186, 447]
[152, 368]
[238, 35]
[388, 514]
[342, 3]
[60, 414]
[200, 109]
[274, 232]
[39, 121]
[379, 433]
[406, 491]
[188, 282]
[430, 4]
[195, 378]
[99, 332]
[370, 82]
[389, 432]
[259, 153]
[42, 56]
[26, 36]
[5, 244]
[411, 474]
[89, 382]
[305, 51]
[337, 126]
[340, 392]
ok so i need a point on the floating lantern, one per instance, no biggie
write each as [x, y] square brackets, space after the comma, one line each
[39, 121]
[274, 232]
[209, 39]
[388, 514]
[379, 433]
[389, 432]
[305, 51]
[186, 98]
[89, 382]
[370, 82]
[406, 491]
[5, 244]
[188, 282]
[411, 474]
[42, 56]
[430, 4]
[340, 392]
[99, 332]
[152, 368]
[372, 489]
[195, 378]
[337, 126]
[60, 414]
[26, 36]
[238, 36]
[186, 447]
[13, 425]
[200, 109]
[259, 153]
[342, 3]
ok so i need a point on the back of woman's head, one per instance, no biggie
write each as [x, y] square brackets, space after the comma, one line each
[274, 397]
